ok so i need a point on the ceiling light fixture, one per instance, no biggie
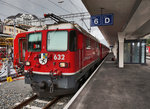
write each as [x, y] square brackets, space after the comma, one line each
[60, 1]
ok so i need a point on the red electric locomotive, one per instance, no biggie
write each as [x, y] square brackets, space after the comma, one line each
[57, 58]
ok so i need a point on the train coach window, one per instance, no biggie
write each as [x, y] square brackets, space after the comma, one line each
[88, 43]
[34, 42]
[97, 44]
[57, 40]
[73, 41]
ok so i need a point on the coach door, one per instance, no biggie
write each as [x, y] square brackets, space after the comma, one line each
[134, 52]
[22, 49]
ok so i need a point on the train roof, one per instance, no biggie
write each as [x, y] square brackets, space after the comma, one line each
[72, 26]
[64, 26]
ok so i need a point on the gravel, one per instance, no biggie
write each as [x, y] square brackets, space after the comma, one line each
[62, 102]
[13, 92]
[16, 91]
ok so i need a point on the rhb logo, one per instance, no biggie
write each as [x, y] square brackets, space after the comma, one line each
[43, 58]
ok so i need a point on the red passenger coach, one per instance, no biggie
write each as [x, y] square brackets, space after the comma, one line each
[58, 58]
[19, 52]
[104, 50]
[147, 49]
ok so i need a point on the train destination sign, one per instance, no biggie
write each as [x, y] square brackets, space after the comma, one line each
[102, 20]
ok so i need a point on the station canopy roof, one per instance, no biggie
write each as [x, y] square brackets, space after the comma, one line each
[132, 17]
[6, 40]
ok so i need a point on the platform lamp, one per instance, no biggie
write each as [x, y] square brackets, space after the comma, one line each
[60, 1]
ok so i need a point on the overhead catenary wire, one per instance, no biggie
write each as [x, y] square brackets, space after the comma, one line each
[15, 7]
[43, 20]
[3, 14]
[39, 5]
[59, 6]
[70, 15]
[73, 15]
[81, 15]
[89, 29]
[75, 6]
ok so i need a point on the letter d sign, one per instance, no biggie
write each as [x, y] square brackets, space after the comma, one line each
[107, 20]
[102, 20]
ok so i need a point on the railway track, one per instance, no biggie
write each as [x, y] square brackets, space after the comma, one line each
[27, 103]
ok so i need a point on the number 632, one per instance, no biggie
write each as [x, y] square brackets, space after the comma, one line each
[59, 57]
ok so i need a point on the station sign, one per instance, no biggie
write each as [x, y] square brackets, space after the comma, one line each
[102, 20]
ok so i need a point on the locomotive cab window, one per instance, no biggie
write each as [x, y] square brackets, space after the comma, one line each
[34, 42]
[72, 41]
[57, 40]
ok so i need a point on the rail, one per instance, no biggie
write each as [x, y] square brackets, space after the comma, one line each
[25, 102]
[31, 99]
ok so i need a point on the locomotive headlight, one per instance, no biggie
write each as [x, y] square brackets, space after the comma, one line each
[63, 64]
[27, 63]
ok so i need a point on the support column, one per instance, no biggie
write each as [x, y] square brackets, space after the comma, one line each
[121, 37]
[114, 50]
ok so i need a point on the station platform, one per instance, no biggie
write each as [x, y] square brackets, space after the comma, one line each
[115, 88]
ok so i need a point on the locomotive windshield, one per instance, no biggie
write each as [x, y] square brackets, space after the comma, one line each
[34, 42]
[57, 40]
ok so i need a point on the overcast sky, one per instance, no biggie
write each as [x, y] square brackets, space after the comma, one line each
[40, 7]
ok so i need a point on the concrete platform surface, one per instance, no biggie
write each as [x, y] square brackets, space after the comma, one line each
[114, 88]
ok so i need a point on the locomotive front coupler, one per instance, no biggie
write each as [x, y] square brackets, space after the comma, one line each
[51, 88]
[29, 74]
[54, 74]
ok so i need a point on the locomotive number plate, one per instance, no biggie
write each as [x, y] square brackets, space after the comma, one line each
[59, 57]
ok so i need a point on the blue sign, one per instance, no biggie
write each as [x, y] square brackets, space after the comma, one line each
[102, 20]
